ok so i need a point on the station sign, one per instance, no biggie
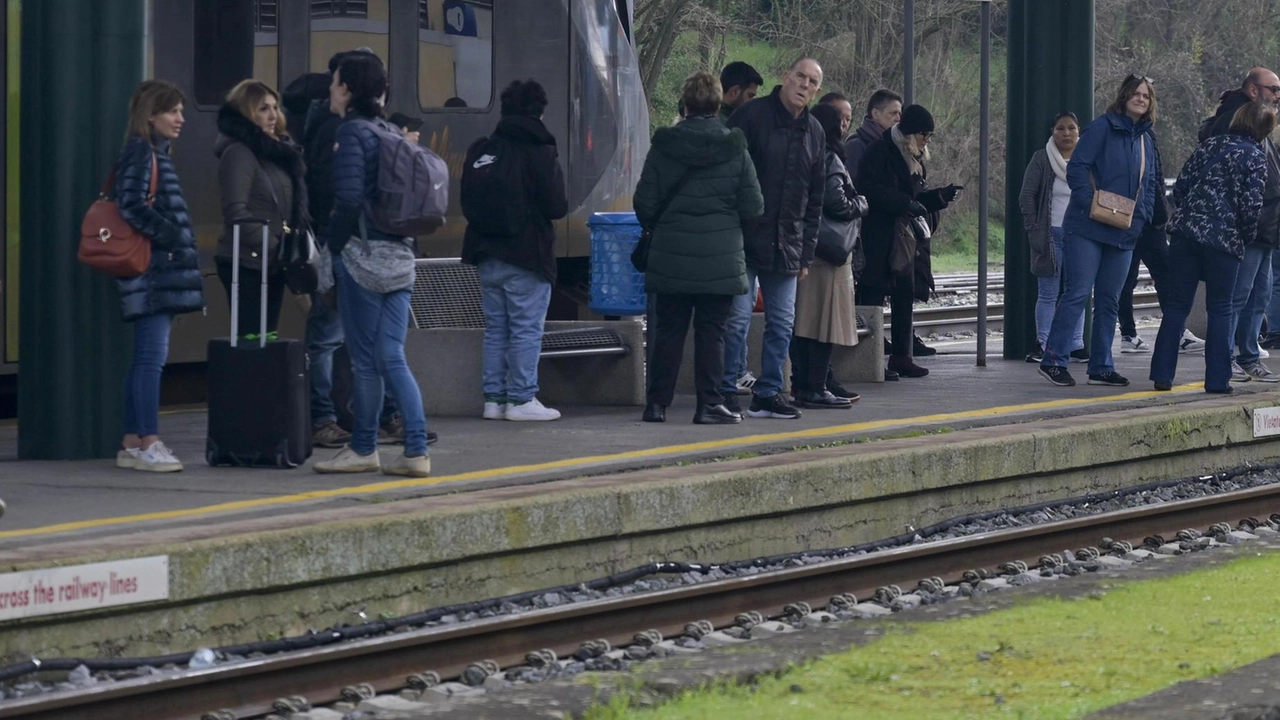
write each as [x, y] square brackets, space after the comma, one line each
[1266, 421]
[53, 591]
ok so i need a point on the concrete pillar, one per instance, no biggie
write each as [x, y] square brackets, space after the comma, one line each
[1050, 70]
[80, 61]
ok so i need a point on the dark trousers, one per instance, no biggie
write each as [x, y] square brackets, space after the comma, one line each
[1191, 262]
[709, 314]
[901, 298]
[810, 365]
[251, 297]
[1152, 248]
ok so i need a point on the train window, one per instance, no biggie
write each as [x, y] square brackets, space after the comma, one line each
[455, 53]
[340, 8]
[341, 25]
[234, 40]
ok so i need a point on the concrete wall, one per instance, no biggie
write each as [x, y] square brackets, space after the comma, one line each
[281, 575]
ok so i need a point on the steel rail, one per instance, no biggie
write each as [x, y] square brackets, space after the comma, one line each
[249, 688]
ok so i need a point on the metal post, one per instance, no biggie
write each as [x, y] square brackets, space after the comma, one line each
[909, 51]
[984, 162]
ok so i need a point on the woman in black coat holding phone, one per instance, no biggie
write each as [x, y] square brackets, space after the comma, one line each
[825, 315]
[892, 175]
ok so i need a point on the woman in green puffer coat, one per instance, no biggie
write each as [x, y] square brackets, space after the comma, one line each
[696, 192]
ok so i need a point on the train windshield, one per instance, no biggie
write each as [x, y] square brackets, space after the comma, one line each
[609, 117]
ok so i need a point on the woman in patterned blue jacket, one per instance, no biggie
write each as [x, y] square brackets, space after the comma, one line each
[1219, 199]
[172, 284]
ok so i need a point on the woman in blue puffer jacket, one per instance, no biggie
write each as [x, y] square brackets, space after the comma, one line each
[172, 285]
[1115, 154]
[373, 273]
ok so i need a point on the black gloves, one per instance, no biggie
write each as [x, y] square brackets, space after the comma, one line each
[950, 192]
[917, 210]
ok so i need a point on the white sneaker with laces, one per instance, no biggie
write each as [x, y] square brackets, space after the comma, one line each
[495, 411]
[349, 461]
[532, 411]
[745, 382]
[1190, 344]
[419, 467]
[1260, 372]
[157, 458]
[127, 458]
[1133, 344]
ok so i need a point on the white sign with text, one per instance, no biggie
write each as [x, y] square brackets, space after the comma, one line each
[1266, 421]
[51, 591]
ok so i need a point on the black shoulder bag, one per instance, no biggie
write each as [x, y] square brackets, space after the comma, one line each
[297, 252]
[640, 256]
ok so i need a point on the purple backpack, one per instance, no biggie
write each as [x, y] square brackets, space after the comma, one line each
[413, 184]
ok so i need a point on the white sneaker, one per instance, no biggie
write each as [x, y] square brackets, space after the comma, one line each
[532, 411]
[495, 411]
[128, 457]
[1260, 372]
[1263, 354]
[418, 467]
[1190, 344]
[1133, 344]
[157, 458]
[350, 461]
[745, 382]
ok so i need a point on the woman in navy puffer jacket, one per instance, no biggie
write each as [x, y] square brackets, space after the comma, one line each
[1219, 198]
[172, 285]
[1116, 154]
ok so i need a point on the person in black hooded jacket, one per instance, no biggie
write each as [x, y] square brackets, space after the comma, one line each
[512, 188]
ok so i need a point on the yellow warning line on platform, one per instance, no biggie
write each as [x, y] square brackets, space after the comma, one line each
[587, 461]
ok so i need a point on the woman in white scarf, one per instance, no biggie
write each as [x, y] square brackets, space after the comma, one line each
[1043, 202]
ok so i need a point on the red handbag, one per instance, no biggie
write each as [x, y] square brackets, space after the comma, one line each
[110, 244]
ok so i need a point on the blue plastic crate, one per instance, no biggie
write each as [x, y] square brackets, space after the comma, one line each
[616, 287]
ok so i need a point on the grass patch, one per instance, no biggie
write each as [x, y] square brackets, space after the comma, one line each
[1048, 659]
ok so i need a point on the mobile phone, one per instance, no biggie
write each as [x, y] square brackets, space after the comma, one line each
[404, 121]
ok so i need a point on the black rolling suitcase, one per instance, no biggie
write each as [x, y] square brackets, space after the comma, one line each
[259, 395]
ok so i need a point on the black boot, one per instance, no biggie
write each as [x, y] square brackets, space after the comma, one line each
[653, 412]
[716, 415]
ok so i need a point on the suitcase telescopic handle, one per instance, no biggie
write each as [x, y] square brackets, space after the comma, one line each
[235, 280]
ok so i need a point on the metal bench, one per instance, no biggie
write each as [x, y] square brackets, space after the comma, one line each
[446, 294]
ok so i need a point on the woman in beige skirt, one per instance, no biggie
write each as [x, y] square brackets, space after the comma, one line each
[825, 315]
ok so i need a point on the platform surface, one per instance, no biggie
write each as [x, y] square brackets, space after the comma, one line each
[48, 500]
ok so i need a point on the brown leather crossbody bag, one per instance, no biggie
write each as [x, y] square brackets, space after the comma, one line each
[1111, 208]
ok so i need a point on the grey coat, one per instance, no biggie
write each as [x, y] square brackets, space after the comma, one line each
[1036, 203]
[258, 177]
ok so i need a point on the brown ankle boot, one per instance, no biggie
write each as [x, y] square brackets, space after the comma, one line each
[906, 367]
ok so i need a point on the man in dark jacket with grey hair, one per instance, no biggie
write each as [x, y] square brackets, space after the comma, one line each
[786, 146]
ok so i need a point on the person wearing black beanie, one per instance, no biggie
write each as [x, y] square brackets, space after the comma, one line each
[892, 174]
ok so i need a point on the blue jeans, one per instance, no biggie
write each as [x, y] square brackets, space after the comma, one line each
[739, 324]
[779, 317]
[515, 304]
[1248, 300]
[1088, 266]
[324, 337]
[1047, 299]
[142, 384]
[1189, 263]
[1273, 304]
[375, 325]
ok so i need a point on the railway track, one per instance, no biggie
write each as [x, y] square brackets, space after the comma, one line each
[248, 689]
[964, 318]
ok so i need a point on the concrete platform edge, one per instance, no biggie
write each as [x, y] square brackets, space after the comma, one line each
[276, 576]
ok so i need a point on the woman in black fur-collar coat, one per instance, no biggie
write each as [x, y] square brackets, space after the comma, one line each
[260, 175]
